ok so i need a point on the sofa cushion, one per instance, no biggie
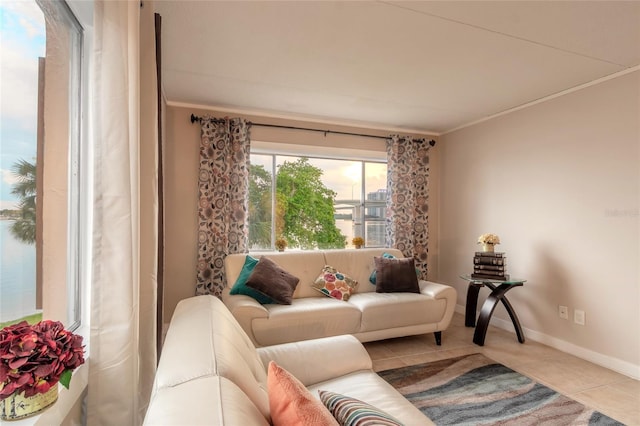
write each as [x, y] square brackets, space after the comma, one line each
[306, 318]
[337, 356]
[353, 412]
[396, 275]
[290, 261]
[291, 404]
[271, 280]
[373, 390]
[240, 286]
[333, 283]
[212, 400]
[380, 310]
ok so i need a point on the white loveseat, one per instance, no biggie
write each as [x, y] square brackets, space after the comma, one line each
[367, 315]
[210, 373]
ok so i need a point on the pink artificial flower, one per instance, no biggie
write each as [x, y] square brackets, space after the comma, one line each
[34, 357]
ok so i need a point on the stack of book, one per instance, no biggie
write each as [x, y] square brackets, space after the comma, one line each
[490, 265]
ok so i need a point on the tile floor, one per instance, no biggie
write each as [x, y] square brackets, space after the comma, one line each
[611, 393]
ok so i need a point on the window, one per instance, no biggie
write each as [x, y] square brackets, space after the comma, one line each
[315, 203]
[41, 64]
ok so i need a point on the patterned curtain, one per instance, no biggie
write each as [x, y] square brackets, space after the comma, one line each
[223, 184]
[407, 198]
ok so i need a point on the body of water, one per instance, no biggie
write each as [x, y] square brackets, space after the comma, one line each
[17, 276]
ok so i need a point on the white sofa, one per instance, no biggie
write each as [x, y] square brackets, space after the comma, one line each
[367, 315]
[210, 373]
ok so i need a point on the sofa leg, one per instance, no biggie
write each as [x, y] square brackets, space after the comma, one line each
[438, 335]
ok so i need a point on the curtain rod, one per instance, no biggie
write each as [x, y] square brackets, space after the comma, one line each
[195, 118]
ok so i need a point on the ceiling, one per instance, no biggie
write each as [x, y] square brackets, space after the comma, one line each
[420, 66]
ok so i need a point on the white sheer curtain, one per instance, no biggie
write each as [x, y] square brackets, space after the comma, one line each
[123, 293]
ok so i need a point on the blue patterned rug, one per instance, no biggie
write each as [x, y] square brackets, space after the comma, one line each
[475, 390]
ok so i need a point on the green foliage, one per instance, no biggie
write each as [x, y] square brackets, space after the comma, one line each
[308, 207]
[24, 227]
[304, 207]
[31, 319]
[259, 206]
[65, 378]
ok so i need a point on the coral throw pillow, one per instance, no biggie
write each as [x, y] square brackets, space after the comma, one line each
[291, 404]
[334, 283]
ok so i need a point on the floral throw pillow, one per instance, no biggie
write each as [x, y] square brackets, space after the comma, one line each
[333, 283]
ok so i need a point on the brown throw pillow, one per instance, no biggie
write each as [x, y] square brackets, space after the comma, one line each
[271, 280]
[396, 275]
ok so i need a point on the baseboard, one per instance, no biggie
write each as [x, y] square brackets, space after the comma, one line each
[615, 364]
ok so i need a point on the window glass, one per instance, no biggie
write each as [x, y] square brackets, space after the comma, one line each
[40, 64]
[375, 203]
[261, 231]
[315, 203]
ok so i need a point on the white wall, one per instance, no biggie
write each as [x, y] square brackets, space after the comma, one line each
[559, 183]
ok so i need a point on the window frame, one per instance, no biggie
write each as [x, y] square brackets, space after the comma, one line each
[74, 196]
[82, 10]
[75, 192]
[298, 151]
[79, 219]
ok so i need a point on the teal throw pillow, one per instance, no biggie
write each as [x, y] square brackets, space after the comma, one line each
[240, 287]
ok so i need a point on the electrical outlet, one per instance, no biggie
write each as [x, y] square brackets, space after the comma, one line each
[578, 317]
[563, 312]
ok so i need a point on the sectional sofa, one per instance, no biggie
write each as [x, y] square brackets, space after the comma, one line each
[210, 373]
[367, 314]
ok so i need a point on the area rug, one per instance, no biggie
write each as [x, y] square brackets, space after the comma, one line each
[475, 390]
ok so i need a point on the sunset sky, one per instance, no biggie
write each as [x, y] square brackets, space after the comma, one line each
[22, 41]
[344, 177]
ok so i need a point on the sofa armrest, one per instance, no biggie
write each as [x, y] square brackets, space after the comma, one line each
[443, 292]
[317, 360]
[245, 304]
[437, 291]
[244, 309]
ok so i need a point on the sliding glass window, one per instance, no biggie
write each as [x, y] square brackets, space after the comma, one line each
[41, 63]
[314, 202]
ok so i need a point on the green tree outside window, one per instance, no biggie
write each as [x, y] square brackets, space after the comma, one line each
[24, 227]
[304, 207]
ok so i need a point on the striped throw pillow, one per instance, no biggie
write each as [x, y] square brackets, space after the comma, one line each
[353, 412]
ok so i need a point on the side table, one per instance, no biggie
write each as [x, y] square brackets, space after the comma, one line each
[498, 290]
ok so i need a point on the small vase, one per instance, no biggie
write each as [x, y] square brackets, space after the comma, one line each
[358, 247]
[17, 406]
[488, 248]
